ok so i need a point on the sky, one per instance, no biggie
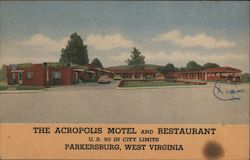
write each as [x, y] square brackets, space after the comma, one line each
[164, 32]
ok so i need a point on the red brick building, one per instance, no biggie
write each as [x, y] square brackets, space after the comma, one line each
[221, 73]
[51, 74]
[39, 74]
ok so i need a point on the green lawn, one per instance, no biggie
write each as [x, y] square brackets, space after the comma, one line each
[3, 86]
[152, 83]
[29, 87]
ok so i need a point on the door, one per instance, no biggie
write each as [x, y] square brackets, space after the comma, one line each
[141, 76]
[133, 76]
[14, 80]
[76, 77]
[20, 78]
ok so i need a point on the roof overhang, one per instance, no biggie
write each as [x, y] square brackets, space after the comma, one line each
[104, 70]
[90, 72]
[17, 71]
[80, 70]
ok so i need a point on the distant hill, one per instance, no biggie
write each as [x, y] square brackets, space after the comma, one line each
[144, 66]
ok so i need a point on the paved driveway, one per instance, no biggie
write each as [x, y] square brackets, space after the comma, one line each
[92, 103]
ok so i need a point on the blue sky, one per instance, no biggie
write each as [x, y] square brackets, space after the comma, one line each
[164, 32]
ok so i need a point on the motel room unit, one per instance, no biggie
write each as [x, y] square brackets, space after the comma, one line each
[135, 73]
[210, 74]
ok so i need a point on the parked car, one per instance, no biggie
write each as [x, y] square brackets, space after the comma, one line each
[104, 79]
[148, 77]
[117, 77]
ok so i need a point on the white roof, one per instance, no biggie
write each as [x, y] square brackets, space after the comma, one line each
[81, 70]
[17, 71]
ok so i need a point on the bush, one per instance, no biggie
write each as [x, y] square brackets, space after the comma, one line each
[3, 87]
[245, 77]
[3, 73]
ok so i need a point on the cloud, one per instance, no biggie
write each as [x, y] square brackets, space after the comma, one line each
[15, 52]
[169, 36]
[46, 43]
[107, 42]
[181, 58]
[197, 40]
[35, 49]
[121, 57]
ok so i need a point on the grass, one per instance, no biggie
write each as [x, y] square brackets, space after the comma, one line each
[226, 82]
[3, 86]
[29, 87]
[152, 83]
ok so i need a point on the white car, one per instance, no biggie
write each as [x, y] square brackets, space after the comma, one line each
[104, 79]
[117, 77]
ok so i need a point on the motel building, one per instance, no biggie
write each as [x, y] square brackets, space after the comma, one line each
[210, 74]
[51, 73]
[134, 73]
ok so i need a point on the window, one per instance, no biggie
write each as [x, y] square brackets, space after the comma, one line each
[56, 75]
[29, 75]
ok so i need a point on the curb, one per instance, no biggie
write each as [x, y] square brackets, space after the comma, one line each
[163, 87]
[13, 92]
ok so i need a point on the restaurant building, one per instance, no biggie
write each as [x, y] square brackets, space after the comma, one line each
[50, 73]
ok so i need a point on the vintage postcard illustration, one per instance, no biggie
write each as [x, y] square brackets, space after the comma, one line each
[124, 80]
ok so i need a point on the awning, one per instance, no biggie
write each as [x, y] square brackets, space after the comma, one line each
[90, 72]
[104, 70]
[81, 70]
[17, 71]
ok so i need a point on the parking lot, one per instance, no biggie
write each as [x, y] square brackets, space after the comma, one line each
[105, 104]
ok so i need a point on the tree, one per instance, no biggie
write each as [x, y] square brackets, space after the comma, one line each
[245, 77]
[96, 63]
[170, 67]
[3, 73]
[165, 69]
[75, 51]
[193, 66]
[210, 65]
[182, 69]
[135, 58]
[162, 70]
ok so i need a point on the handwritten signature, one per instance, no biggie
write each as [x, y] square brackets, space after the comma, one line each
[226, 94]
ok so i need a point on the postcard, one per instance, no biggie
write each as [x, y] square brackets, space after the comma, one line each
[124, 80]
